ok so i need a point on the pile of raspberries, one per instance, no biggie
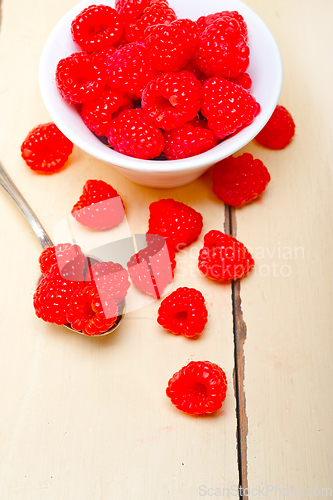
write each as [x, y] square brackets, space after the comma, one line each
[158, 87]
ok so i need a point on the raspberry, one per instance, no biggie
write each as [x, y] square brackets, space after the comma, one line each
[172, 99]
[222, 50]
[205, 21]
[171, 46]
[133, 134]
[199, 387]
[227, 106]
[109, 278]
[96, 27]
[157, 13]
[278, 131]
[68, 258]
[183, 312]
[52, 297]
[98, 114]
[99, 207]
[130, 69]
[187, 141]
[152, 268]
[89, 314]
[45, 149]
[79, 79]
[178, 223]
[239, 180]
[223, 258]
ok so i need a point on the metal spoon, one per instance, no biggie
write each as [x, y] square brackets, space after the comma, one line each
[44, 239]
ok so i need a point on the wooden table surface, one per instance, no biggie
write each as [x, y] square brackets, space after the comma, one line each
[88, 419]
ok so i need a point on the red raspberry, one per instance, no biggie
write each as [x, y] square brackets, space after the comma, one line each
[278, 131]
[157, 13]
[45, 149]
[100, 207]
[183, 312]
[178, 223]
[98, 114]
[152, 268]
[52, 297]
[205, 21]
[199, 387]
[227, 106]
[130, 69]
[79, 79]
[68, 258]
[89, 314]
[187, 141]
[223, 258]
[172, 99]
[109, 278]
[222, 50]
[239, 180]
[242, 79]
[97, 27]
[133, 134]
[171, 46]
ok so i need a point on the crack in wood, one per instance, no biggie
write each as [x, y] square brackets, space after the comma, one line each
[239, 327]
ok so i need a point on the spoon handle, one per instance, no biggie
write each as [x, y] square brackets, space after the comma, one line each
[8, 185]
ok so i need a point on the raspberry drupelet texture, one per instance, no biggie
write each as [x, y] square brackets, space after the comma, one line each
[46, 149]
[198, 388]
[134, 134]
[183, 312]
[222, 50]
[278, 131]
[89, 313]
[53, 295]
[205, 21]
[152, 268]
[102, 58]
[68, 258]
[110, 278]
[96, 27]
[172, 46]
[130, 69]
[79, 79]
[223, 258]
[227, 106]
[172, 99]
[239, 180]
[242, 79]
[97, 115]
[177, 222]
[158, 12]
[99, 207]
[188, 140]
[130, 10]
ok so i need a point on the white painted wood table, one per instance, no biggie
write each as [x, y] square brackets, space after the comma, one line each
[88, 419]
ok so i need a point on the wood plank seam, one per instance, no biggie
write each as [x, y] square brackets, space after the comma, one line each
[239, 328]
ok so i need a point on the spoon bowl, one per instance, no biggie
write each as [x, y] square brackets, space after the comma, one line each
[44, 239]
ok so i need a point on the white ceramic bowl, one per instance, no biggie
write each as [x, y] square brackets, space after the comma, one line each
[265, 70]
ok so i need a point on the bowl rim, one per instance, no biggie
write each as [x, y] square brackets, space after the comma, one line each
[230, 146]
